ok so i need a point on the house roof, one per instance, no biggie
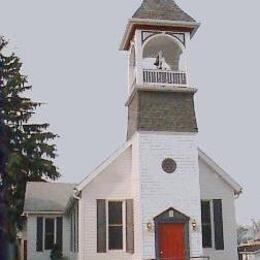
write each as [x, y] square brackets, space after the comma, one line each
[41, 197]
[220, 172]
[162, 10]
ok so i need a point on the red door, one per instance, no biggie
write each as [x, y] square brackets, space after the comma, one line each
[171, 242]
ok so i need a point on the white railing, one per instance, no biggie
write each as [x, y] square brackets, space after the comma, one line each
[166, 77]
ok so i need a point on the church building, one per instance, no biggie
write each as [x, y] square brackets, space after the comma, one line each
[158, 196]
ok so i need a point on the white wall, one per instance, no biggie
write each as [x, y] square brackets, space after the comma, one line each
[213, 187]
[160, 191]
[31, 238]
[66, 240]
[114, 183]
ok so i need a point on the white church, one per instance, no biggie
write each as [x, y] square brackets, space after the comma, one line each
[158, 196]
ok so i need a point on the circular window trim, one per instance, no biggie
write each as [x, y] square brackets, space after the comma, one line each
[169, 165]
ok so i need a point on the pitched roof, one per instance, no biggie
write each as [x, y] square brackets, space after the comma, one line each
[47, 197]
[162, 10]
[221, 173]
[103, 166]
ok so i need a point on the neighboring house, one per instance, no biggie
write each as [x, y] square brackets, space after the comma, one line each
[249, 251]
[158, 196]
[46, 222]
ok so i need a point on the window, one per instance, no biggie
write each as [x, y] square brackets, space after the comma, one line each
[115, 225]
[206, 224]
[49, 233]
[212, 224]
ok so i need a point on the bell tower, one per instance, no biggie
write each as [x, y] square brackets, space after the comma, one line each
[162, 126]
[160, 95]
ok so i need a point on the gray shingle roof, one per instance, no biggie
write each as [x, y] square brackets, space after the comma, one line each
[162, 10]
[47, 197]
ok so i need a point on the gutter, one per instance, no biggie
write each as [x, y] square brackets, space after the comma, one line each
[76, 194]
[27, 213]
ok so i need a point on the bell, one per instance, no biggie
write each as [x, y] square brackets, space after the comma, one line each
[157, 62]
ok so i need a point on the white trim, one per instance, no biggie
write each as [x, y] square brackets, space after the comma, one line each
[162, 34]
[166, 133]
[221, 173]
[135, 21]
[43, 213]
[123, 224]
[44, 231]
[102, 167]
[160, 88]
[212, 220]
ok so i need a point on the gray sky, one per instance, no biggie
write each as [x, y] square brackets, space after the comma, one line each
[70, 53]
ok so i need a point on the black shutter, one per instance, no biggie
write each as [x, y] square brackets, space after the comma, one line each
[218, 224]
[59, 232]
[130, 226]
[39, 235]
[206, 224]
[101, 226]
[77, 227]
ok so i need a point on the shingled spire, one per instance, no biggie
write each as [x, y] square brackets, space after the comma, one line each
[162, 10]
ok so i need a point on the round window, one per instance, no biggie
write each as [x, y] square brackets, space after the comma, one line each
[169, 165]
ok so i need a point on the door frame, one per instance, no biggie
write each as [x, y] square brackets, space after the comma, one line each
[167, 218]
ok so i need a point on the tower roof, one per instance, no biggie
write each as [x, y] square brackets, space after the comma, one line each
[162, 10]
[153, 14]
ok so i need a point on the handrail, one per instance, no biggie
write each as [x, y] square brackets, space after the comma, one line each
[167, 77]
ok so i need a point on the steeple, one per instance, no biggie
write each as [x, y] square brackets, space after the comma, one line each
[158, 13]
[160, 94]
[162, 10]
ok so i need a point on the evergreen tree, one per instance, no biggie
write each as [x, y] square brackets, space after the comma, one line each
[30, 148]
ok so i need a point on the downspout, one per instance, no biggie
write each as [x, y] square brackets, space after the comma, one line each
[76, 195]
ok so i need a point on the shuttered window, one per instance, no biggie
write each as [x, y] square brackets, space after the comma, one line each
[59, 232]
[212, 224]
[49, 233]
[115, 225]
[39, 235]
[218, 224]
[206, 224]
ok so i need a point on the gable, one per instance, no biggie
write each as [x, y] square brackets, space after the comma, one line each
[111, 162]
[209, 169]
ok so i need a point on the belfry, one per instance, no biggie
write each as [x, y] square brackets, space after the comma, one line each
[160, 94]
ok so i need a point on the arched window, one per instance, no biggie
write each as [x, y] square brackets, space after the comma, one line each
[167, 46]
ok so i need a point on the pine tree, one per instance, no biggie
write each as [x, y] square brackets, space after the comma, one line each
[29, 146]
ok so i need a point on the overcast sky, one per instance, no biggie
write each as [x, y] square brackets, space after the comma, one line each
[70, 53]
